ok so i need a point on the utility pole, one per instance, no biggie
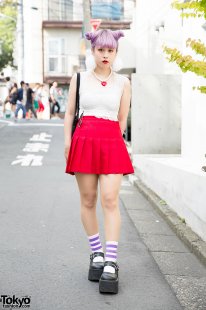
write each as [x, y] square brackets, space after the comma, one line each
[86, 20]
[86, 27]
[20, 31]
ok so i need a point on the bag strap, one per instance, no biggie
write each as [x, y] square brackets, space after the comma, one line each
[77, 94]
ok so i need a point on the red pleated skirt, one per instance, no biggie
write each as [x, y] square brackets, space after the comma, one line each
[97, 147]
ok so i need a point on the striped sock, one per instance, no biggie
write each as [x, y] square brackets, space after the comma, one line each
[111, 251]
[111, 255]
[96, 246]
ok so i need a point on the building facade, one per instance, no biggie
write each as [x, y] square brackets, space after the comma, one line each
[53, 38]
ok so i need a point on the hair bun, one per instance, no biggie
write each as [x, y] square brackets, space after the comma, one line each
[118, 34]
[90, 35]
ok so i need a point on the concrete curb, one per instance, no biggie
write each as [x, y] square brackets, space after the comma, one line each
[184, 232]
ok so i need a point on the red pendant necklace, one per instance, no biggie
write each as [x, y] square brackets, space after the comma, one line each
[103, 82]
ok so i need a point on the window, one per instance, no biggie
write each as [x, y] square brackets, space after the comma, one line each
[53, 64]
[60, 10]
[56, 56]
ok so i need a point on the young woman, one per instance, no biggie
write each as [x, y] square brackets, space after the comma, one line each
[97, 153]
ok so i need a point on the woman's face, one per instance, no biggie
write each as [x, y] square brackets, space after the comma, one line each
[104, 56]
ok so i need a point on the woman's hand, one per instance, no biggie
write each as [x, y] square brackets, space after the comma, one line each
[66, 151]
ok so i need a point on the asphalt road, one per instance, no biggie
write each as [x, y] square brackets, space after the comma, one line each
[44, 252]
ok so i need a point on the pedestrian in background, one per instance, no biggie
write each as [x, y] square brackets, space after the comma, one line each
[54, 99]
[29, 102]
[13, 97]
[38, 98]
[97, 152]
[40, 109]
[21, 100]
[9, 86]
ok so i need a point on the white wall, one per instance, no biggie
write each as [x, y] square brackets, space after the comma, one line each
[193, 102]
[180, 183]
[127, 47]
[178, 180]
[156, 87]
[156, 110]
[149, 14]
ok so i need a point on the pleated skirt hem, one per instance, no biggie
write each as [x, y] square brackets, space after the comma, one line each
[97, 147]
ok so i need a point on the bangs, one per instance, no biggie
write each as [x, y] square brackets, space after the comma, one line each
[105, 40]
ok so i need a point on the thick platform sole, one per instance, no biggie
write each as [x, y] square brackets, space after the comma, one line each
[106, 286]
[94, 274]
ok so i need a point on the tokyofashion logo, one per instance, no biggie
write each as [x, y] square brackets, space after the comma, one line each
[15, 302]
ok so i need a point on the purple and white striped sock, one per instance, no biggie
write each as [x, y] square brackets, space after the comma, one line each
[111, 251]
[96, 246]
[111, 255]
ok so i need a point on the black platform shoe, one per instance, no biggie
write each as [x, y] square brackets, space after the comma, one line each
[108, 282]
[95, 268]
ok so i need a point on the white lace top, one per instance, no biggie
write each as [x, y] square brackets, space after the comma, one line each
[100, 101]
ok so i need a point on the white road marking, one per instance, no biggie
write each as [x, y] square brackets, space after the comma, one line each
[36, 147]
[4, 121]
[35, 125]
[27, 160]
[31, 159]
[42, 137]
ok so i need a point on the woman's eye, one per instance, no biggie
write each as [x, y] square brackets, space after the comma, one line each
[110, 51]
[100, 49]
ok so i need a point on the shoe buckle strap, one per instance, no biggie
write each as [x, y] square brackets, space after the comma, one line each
[95, 254]
[112, 264]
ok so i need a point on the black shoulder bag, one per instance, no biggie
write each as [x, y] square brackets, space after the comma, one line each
[76, 116]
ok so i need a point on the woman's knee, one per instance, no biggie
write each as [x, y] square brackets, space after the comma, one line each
[109, 201]
[89, 200]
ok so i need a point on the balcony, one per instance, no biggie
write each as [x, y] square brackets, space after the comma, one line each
[72, 11]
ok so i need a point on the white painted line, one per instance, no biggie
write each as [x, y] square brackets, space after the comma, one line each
[4, 121]
[132, 178]
[43, 137]
[126, 183]
[27, 160]
[36, 124]
[31, 159]
[36, 147]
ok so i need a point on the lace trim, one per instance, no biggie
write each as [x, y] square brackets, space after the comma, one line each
[99, 114]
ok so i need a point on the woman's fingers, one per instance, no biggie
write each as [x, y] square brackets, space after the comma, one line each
[66, 152]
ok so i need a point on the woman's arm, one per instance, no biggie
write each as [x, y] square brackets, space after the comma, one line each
[69, 115]
[124, 106]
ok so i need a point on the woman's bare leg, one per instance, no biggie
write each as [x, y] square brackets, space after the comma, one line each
[88, 187]
[109, 191]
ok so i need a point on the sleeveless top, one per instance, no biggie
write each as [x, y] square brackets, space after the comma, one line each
[100, 101]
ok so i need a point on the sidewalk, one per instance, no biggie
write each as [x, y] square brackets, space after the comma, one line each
[183, 271]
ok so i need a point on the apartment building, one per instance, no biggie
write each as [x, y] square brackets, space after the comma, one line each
[53, 38]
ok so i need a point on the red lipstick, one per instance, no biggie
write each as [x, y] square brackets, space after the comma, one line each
[105, 61]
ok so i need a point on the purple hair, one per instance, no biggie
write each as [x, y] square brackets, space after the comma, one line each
[104, 38]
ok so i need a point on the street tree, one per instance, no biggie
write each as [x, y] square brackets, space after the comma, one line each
[194, 9]
[8, 15]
